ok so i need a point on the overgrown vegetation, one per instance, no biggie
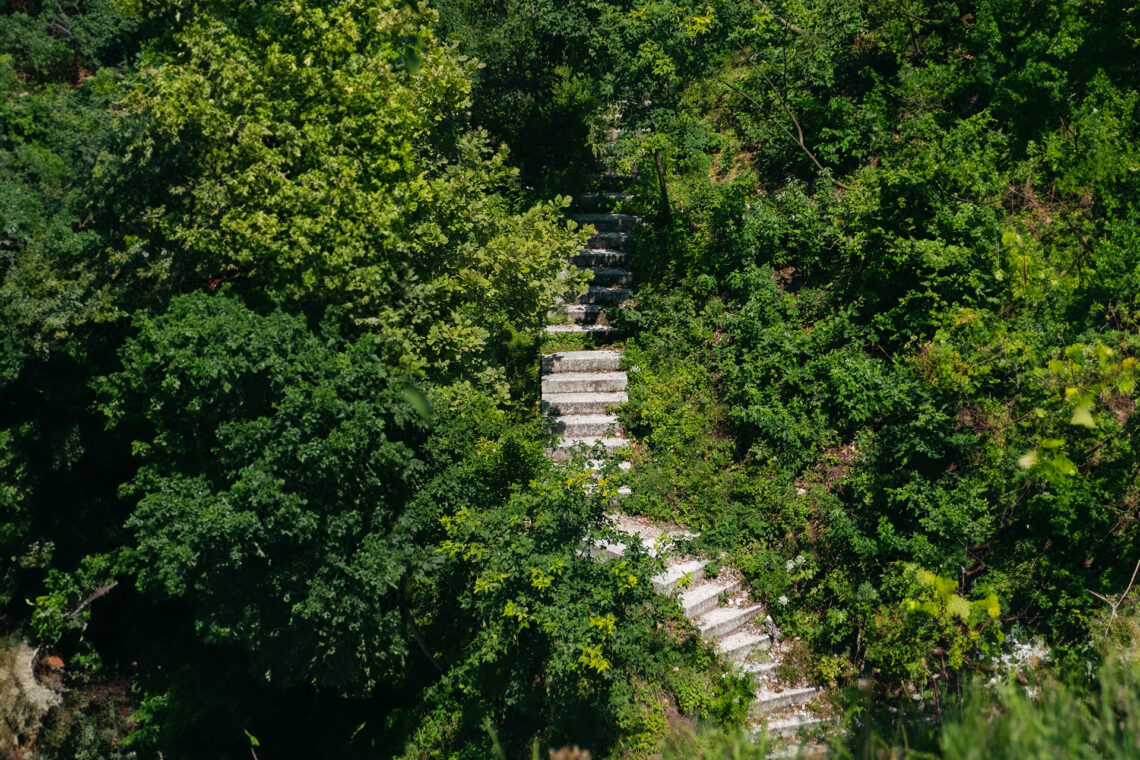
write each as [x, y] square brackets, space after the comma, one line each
[273, 278]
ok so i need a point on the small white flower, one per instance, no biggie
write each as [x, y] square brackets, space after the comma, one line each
[789, 565]
[783, 600]
[800, 560]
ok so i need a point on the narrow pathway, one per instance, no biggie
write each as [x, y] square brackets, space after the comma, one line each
[581, 390]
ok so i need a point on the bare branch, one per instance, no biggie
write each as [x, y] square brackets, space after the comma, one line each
[797, 138]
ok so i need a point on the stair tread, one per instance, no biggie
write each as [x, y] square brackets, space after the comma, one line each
[599, 329]
[609, 441]
[603, 375]
[609, 418]
[606, 353]
[764, 695]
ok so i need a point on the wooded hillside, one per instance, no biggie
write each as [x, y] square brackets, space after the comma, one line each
[275, 284]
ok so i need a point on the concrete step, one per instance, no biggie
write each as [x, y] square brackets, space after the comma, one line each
[568, 404]
[705, 597]
[738, 646]
[602, 360]
[585, 425]
[598, 257]
[760, 670]
[787, 727]
[583, 313]
[659, 547]
[613, 549]
[611, 276]
[725, 620]
[609, 222]
[602, 199]
[595, 331]
[666, 581]
[612, 241]
[584, 382]
[610, 296]
[567, 446]
[611, 179]
[770, 701]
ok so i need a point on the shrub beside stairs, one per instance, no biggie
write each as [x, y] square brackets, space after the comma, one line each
[581, 390]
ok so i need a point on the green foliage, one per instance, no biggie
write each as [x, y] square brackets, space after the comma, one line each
[295, 151]
[886, 279]
[264, 450]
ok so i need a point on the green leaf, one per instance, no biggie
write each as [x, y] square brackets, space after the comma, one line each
[1082, 415]
[420, 402]
[1063, 465]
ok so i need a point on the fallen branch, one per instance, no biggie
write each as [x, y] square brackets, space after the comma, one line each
[101, 591]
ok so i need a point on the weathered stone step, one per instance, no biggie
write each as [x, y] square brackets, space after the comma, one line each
[584, 313]
[760, 670]
[738, 646]
[584, 382]
[791, 726]
[704, 597]
[567, 446]
[597, 464]
[611, 276]
[609, 240]
[609, 222]
[724, 620]
[602, 360]
[595, 199]
[595, 331]
[611, 179]
[770, 701]
[585, 425]
[611, 296]
[598, 257]
[566, 404]
[664, 582]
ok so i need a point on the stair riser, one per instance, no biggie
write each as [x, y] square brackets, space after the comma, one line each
[562, 454]
[611, 181]
[604, 296]
[595, 361]
[701, 599]
[554, 384]
[664, 584]
[610, 276]
[586, 429]
[589, 334]
[779, 702]
[598, 258]
[741, 653]
[583, 314]
[615, 241]
[609, 223]
[699, 608]
[567, 408]
[725, 627]
[788, 731]
[600, 201]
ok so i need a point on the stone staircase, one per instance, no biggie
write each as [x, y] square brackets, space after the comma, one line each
[581, 390]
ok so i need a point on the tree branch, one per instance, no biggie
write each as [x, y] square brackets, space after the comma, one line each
[787, 24]
[797, 138]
